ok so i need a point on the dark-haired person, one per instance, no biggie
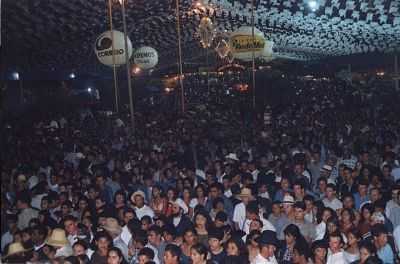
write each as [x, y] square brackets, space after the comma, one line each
[217, 252]
[198, 254]
[114, 256]
[26, 212]
[81, 248]
[236, 251]
[367, 250]
[352, 252]
[319, 252]
[145, 254]
[39, 234]
[268, 244]
[154, 235]
[361, 196]
[172, 254]
[307, 229]
[293, 236]
[336, 253]
[103, 242]
[330, 199]
[384, 250]
[300, 254]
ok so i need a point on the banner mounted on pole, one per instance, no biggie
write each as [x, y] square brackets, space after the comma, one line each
[104, 48]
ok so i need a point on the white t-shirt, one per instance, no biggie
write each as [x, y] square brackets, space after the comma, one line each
[239, 215]
[335, 204]
[261, 260]
[396, 235]
[337, 258]
[145, 210]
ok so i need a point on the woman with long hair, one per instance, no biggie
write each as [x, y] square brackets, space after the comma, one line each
[319, 251]
[292, 236]
[158, 201]
[115, 256]
[365, 222]
[198, 254]
[236, 251]
[347, 218]
[202, 223]
[200, 198]
[367, 250]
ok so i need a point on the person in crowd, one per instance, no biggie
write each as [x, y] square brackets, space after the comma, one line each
[198, 254]
[380, 238]
[336, 253]
[268, 244]
[103, 242]
[236, 251]
[217, 251]
[115, 256]
[352, 251]
[293, 236]
[319, 250]
[172, 254]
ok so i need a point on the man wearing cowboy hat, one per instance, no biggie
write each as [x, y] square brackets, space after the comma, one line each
[141, 209]
[239, 213]
[114, 230]
[268, 244]
[58, 240]
[16, 253]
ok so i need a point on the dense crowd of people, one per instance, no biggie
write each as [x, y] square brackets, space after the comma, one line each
[314, 180]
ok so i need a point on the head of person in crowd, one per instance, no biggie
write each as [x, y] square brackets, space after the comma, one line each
[319, 250]
[114, 256]
[268, 244]
[172, 254]
[198, 254]
[145, 255]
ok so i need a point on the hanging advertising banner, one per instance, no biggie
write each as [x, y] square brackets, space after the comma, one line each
[241, 43]
[104, 48]
[145, 58]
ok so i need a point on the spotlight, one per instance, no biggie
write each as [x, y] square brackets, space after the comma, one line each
[89, 89]
[313, 5]
[72, 76]
[15, 76]
[136, 70]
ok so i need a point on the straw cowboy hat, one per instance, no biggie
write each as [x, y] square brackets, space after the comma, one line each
[245, 192]
[140, 193]
[112, 226]
[57, 238]
[232, 156]
[15, 248]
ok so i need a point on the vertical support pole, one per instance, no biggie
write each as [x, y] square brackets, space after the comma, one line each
[128, 68]
[178, 25]
[252, 55]
[110, 17]
[396, 73]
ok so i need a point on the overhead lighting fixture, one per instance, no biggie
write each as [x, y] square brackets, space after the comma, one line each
[313, 5]
[136, 70]
[89, 89]
[72, 76]
[15, 76]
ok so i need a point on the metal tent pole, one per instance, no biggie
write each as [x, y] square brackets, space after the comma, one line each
[178, 25]
[128, 68]
[110, 17]
[252, 55]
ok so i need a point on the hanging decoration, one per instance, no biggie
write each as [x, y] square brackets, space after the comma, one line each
[206, 32]
[242, 46]
[145, 58]
[105, 49]
[222, 48]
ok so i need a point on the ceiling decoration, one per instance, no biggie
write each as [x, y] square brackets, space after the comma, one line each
[60, 34]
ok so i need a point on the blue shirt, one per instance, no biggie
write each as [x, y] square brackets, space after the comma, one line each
[386, 254]
[358, 201]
